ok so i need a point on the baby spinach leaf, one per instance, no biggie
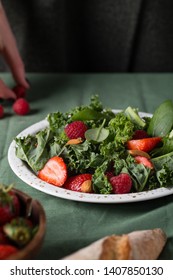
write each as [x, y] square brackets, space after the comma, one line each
[97, 134]
[87, 114]
[162, 119]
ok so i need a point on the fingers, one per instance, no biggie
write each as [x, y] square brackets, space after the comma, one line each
[16, 65]
[9, 50]
[5, 92]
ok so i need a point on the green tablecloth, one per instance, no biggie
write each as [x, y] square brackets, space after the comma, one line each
[70, 224]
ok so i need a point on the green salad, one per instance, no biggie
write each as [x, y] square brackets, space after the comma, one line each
[104, 145]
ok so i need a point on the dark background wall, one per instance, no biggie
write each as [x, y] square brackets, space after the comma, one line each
[93, 35]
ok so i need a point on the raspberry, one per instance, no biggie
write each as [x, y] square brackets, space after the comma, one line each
[109, 174]
[75, 130]
[20, 91]
[21, 106]
[140, 134]
[121, 183]
[1, 111]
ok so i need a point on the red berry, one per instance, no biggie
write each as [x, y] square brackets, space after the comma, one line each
[3, 237]
[145, 144]
[9, 206]
[20, 91]
[140, 134]
[7, 250]
[76, 129]
[75, 183]
[1, 111]
[121, 183]
[145, 161]
[109, 174]
[54, 172]
[21, 106]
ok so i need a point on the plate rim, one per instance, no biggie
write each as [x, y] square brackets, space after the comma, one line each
[20, 169]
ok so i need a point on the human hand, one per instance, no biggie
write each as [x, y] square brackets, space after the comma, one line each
[10, 53]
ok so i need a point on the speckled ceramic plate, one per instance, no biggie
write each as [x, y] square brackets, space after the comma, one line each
[26, 175]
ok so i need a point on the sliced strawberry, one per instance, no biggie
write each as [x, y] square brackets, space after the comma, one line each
[79, 183]
[145, 161]
[145, 144]
[135, 153]
[54, 172]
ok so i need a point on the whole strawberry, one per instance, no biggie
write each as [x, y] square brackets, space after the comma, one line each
[19, 230]
[20, 91]
[121, 183]
[7, 250]
[3, 237]
[9, 205]
[1, 111]
[140, 134]
[21, 106]
[76, 129]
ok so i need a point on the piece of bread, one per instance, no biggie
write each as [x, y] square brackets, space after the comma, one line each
[137, 245]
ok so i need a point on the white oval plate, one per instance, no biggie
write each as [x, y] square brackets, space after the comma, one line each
[26, 175]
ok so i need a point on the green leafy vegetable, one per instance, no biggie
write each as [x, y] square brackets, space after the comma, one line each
[34, 149]
[133, 115]
[97, 134]
[104, 148]
[162, 120]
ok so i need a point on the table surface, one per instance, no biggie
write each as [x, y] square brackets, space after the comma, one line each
[73, 224]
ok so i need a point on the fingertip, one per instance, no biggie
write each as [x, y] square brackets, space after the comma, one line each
[25, 84]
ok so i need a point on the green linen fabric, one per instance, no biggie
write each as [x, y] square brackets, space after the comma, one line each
[72, 225]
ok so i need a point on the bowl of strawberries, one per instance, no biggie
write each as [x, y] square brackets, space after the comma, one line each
[22, 224]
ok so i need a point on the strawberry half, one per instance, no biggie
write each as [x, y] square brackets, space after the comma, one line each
[54, 172]
[145, 144]
[79, 183]
[145, 161]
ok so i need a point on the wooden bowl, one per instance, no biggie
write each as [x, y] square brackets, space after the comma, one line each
[34, 210]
